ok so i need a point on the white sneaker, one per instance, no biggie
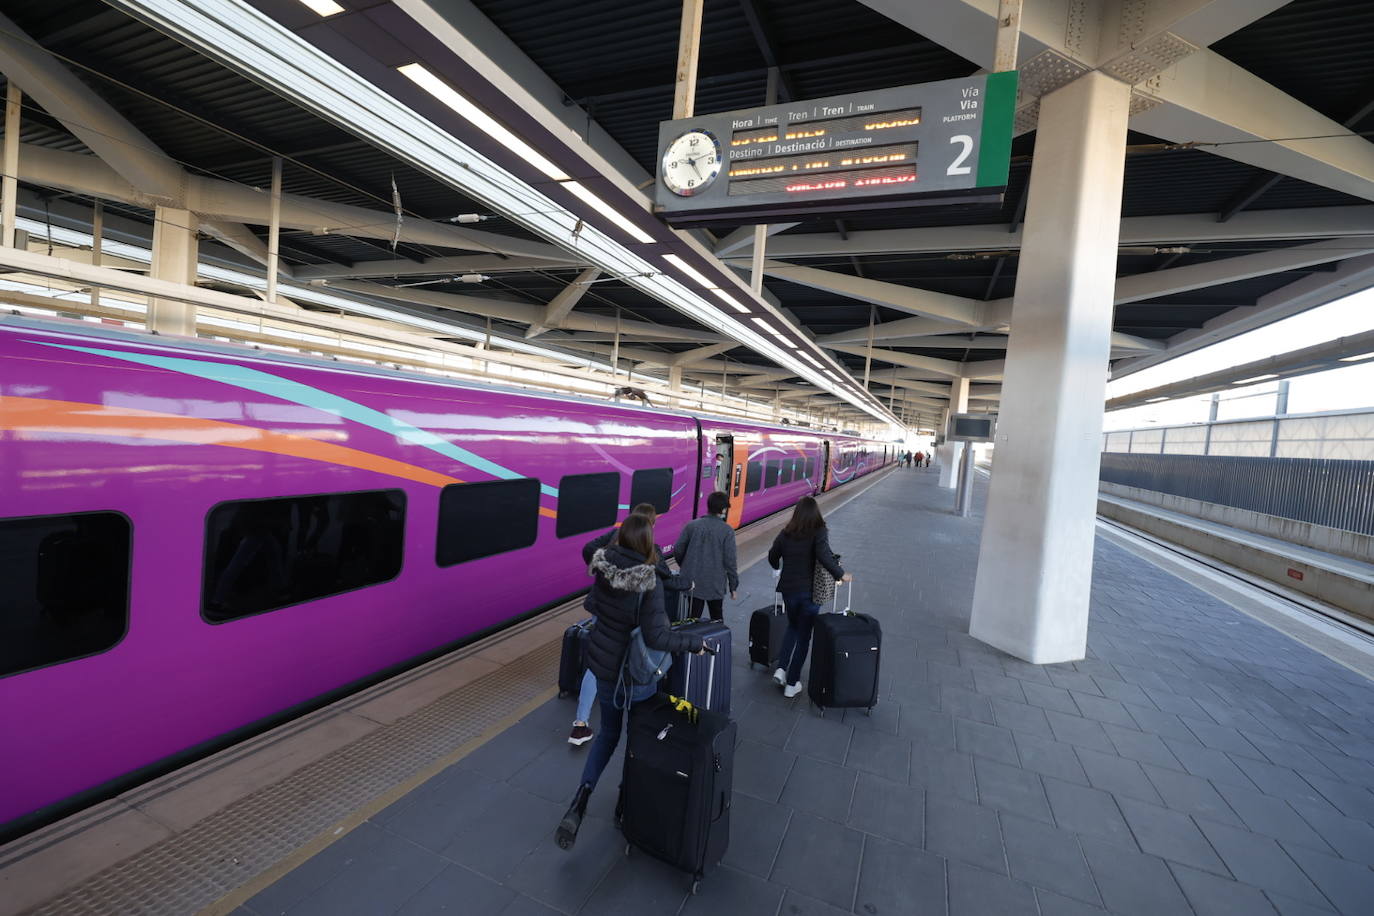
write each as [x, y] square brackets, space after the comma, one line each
[792, 690]
[780, 677]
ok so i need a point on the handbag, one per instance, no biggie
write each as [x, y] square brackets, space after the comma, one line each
[822, 583]
[641, 667]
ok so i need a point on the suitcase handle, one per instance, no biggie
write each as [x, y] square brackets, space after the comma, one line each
[848, 598]
[708, 648]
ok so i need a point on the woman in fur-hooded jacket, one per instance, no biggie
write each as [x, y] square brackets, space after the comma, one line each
[626, 594]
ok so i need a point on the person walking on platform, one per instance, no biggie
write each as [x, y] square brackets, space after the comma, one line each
[673, 587]
[919, 458]
[627, 594]
[705, 553]
[803, 543]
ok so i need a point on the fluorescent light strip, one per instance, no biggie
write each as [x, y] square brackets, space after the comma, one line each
[729, 300]
[422, 77]
[1156, 400]
[600, 206]
[1357, 357]
[695, 275]
[236, 34]
[324, 8]
[1258, 378]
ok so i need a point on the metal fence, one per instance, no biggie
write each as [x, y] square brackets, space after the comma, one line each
[1322, 491]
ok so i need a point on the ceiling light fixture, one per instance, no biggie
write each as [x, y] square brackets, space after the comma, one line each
[729, 300]
[1357, 357]
[615, 216]
[1258, 378]
[325, 8]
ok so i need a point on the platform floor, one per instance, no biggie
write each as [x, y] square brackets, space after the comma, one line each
[1196, 762]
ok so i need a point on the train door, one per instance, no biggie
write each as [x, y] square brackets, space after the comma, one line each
[825, 465]
[730, 476]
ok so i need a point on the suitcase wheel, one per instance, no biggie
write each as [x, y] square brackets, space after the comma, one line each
[627, 850]
[696, 886]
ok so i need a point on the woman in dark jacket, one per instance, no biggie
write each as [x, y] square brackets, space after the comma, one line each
[626, 594]
[799, 546]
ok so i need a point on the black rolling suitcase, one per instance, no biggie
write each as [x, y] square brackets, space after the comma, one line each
[574, 659]
[703, 680]
[675, 603]
[766, 628]
[675, 791]
[846, 650]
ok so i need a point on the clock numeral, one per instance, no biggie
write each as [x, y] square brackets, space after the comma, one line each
[691, 183]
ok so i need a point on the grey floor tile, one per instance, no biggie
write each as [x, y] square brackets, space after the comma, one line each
[967, 832]
[638, 884]
[1222, 738]
[767, 724]
[1117, 775]
[1170, 835]
[1052, 904]
[943, 773]
[507, 752]
[899, 879]
[1208, 763]
[965, 704]
[1122, 692]
[1010, 788]
[1050, 758]
[823, 738]
[1079, 731]
[726, 890]
[949, 675]
[795, 904]
[888, 756]
[992, 684]
[1176, 703]
[553, 774]
[985, 740]
[442, 807]
[1072, 680]
[380, 880]
[1049, 697]
[1214, 896]
[756, 832]
[312, 874]
[1287, 906]
[1141, 747]
[1086, 811]
[974, 892]
[882, 718]
[458, 891]
[761, 770]
[1191, 795]
[1348, 885]
[1282, 782]
[927, 728]
[1260, 861]
[564, 879]
[1349, 837]
[1134, 884]
[1102, 709]
[1047, 857]
[1157, 722]
[498, 839]
[819, 788]
[1272, 817]
[820, 859]
[1347, 798]
[888, 809]
[1021, 718]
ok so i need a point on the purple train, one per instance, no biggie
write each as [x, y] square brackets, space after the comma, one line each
[197, 540]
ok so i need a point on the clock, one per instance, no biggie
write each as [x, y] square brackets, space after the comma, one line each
[691, 162]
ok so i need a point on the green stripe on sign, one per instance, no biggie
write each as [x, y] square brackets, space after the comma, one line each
[994, 143]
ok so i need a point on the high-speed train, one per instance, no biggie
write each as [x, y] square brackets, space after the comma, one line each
[197, 539]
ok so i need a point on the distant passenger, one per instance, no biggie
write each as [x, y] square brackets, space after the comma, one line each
[705, 553]
[673, 589]
[920, 456]
[803, 543]
[627, 594]
[927, 460]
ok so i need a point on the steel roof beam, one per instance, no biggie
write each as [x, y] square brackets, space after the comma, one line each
[563, 303]
[743, 237]
[925, 303]
[460, 264]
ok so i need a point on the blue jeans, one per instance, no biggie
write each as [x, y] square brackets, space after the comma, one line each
[608, 732]
[801, 616]
[586, 697]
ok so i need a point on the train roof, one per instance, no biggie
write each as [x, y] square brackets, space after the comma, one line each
[16, 321]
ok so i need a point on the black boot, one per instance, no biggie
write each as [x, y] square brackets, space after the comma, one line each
[566, 834]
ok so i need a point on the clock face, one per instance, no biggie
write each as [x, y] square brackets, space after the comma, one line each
[691, 162]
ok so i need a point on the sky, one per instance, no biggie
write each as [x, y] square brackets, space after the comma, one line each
[1335, 389]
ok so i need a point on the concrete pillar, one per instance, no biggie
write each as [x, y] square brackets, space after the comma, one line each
[174, 259]
[1035, 566]
[951, 452]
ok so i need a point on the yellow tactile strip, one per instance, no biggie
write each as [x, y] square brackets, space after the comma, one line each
[282, 824]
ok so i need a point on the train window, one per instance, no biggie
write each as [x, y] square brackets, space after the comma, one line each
[786, 475]
[654, 486]
[811, 468]
[482, 519]
[771, 472]
[266, 554]
[587, 502]
[753, 477]
[66, 592]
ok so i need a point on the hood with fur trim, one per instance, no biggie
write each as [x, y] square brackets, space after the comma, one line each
[639, 577]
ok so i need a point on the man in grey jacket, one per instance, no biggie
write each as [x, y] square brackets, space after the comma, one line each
[705, 552]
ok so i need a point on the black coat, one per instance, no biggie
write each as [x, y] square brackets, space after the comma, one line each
[799, 557]
[627, 594]
[669, 578]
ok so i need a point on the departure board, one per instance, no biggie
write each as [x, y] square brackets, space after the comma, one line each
[927, 144]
